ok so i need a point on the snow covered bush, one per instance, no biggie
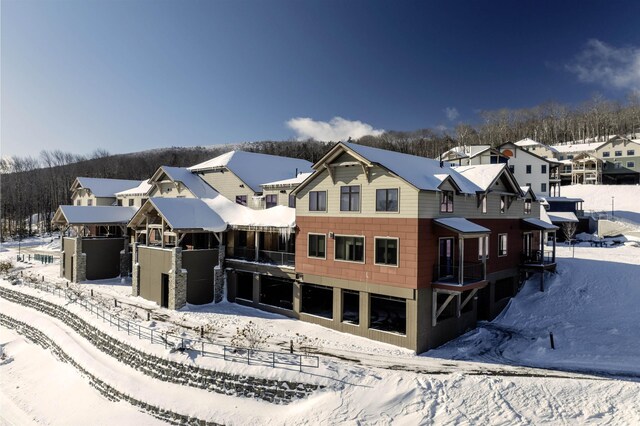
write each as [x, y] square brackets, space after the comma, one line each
[251, 336]
[305, 344]
[5, 266]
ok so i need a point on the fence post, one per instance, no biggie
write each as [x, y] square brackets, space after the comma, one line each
[273, 360]
[300, 362]
[248, 359]
[152, 336]
[202, 351]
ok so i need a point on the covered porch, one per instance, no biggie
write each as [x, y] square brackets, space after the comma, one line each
[272, 246]
[457, 277]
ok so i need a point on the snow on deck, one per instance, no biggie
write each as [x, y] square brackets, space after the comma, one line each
[254, 168]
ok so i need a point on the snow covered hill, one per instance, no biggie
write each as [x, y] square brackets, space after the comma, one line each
[626, 199]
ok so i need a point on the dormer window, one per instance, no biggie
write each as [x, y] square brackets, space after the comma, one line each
[527, 206]
[446, 202]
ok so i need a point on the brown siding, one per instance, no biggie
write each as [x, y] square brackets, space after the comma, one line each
[103, 257]
[153, 263]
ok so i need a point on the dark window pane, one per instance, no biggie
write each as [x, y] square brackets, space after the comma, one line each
[351, 307]
[388, 314]
[317, 300]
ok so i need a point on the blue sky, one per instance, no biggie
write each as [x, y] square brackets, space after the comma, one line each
[133, 75]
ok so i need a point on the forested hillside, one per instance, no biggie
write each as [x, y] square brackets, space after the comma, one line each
[38, 185]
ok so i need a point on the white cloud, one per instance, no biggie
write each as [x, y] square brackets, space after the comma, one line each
[336, 129]
[452, 113]
[610, 66]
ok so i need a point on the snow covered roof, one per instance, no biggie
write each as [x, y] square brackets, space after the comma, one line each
[93, 215]
[530, 142]
[482, 175]
[423, 173]
[254, 168]
[189, 213]
[540, 224]
[461, 225]
[104, 187]
[289, 182]
[578, 147]
[527, 190]
[193, 182]
[141, 189]
[564, 199]
[560, 217]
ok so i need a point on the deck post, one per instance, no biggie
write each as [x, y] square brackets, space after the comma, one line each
[461, 265]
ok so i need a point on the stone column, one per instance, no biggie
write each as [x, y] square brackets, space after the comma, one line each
[177, 280]
[219, 283]
[135, 273]
[79, 272]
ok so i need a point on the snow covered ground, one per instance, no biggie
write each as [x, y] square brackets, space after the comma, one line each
[504, 372]
[626, 199]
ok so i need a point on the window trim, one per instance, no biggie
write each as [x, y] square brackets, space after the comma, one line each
[246, 204]
[631, 152]
[375, 239]
[618, 153]
[270, 196]
[326, 207]
[543, 168]
[342, 292]
[387, 211]
[528, 169]
[630, 164]
[359, 199]
[484, 238]
[606, 154]
[364, 249]
[506, 245]
[484, 204]
[325, 245]
[442, 194]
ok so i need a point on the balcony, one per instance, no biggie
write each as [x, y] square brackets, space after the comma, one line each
[469, 274]
[539, 257]
[278, 258]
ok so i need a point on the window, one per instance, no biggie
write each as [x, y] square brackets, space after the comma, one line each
[502, 244]
[528, 168]
[543, 187]
[131, 202]
[90, 202]
[386, 251]
[349, 248]
[631, 164]
[388, 314]
[527, 206]
[119, 202]
[543, 168]
[503, 203]
[78, 202]
[292, 201]
[241, 199]
[386, 200]
[316, 300]
[317, 246]
[484, 203]
[446, 202]
[276, 292]
[605, 154]
[483, 242]
[512, 169]
[618, 153]
[350, 198]
[351, 307]
[271, 200]
[318, 201]
[244, 285]
[570, 157]
[631, 152]
[617, 165]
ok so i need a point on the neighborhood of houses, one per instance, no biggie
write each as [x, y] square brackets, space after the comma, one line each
[397, 248]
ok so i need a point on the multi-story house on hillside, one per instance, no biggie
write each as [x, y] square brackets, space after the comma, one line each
[395, 247]
[97, 191]
[542, 174]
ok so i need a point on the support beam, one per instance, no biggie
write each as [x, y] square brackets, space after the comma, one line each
[256, 237]
[436, 312]
[468, 298]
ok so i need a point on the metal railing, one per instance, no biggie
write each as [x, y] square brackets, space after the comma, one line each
[539, 257]
[450, 274]
[182, 343]
[244, 253]
[264, 256]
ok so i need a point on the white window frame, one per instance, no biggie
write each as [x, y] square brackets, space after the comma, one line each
[364, 248]
[375, 239]
[325, 245]
[453, 206]
[326, 202]
[359, 199]
[481, 242]
[506, 240]
[529, 202]
[631, 164]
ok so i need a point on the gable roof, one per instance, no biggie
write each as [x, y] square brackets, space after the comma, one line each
[141, 189]
[93, 215]
[482, 175]
[289, 182]
[551, 161]
[101, 187]
[421, 172]
[188, 213]
[254, 168]
[530, 142]
[194, 183]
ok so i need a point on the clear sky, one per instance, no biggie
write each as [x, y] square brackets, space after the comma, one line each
[133, 75]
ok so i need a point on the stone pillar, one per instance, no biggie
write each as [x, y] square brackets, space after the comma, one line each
[219, 282]
[135, 272]
[125, 259]
[79, 272]
[177, 280]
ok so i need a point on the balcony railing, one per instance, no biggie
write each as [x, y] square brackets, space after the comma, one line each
[539, 257]
[472, 272]
[264, 256]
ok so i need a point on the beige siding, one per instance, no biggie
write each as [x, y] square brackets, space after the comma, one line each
[354, 175]
[137, 199]
[169, 190]
[84, 198]
[229, 185]
[283, 199]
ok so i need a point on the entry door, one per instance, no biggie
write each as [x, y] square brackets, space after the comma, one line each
[164, 291]
[446, 257]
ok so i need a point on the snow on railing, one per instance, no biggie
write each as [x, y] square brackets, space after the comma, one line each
[182, 343]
